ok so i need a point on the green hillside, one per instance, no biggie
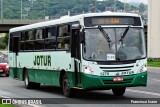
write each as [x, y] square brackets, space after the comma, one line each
[41, 8]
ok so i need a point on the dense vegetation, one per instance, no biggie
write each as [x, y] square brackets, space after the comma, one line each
[56, 8]
[3, 42]
[41, 8]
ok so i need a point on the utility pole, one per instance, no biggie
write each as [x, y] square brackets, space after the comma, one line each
[124, 6]
[32, 1]
[44, 9]
[95, 8]
[1, 9]
[114, 5]
[27, 9]
[21, 8]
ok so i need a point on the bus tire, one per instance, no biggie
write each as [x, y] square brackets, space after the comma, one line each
[67, 91]
[119, 91]
[28, 84]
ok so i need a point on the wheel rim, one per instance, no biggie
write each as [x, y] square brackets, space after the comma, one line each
[65, 86]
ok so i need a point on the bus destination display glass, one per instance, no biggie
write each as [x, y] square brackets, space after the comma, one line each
[94, 21]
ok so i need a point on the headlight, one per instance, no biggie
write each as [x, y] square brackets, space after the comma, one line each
[7, 66]
[88, 70]
[143, 69]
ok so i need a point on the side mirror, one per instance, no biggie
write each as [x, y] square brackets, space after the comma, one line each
[82, 37]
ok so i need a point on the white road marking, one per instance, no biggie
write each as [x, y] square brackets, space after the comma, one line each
[144, 92]
[32, 105]
[4, 97]
[156, 80]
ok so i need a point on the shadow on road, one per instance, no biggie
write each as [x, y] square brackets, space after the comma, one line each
[51, 89]
[84, 97]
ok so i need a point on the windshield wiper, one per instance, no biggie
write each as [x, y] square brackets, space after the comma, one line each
[124, 34]
[105, 35]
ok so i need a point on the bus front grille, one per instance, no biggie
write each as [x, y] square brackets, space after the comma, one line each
[117, 69]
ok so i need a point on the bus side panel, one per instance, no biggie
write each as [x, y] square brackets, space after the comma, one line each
[42, 65]
[61, 60]
[12, 65]
[25, 60]
[55, 77]
[20, 73]
[43, 76]
[11, 72]
[71, 78]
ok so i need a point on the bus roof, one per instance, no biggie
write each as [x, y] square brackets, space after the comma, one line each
[67, 19]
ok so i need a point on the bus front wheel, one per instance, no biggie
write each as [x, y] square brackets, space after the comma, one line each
[29, 84]
[118, 91]
[67, 91]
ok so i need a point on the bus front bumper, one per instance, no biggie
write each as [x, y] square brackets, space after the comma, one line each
[103, 82]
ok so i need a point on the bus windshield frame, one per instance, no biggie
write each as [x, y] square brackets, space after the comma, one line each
[118, 49]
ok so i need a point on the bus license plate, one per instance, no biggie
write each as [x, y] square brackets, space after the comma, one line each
[119, 79]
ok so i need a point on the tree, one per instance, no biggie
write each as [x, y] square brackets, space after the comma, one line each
[4, 41]
[141, 8]
[41, 8]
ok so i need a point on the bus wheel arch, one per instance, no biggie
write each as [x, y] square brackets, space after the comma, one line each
[27, 82]
[63, 80]
[62, 73]
[24, 70]
[67, 91]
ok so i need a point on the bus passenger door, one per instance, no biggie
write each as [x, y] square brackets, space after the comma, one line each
[75, 54]
[15, 54]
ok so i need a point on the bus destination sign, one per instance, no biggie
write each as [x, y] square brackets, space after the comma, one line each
[94, 21]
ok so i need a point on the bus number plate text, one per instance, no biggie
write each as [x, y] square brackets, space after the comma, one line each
[104, 73]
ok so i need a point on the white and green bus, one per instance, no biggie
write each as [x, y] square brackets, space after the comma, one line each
[88, 52]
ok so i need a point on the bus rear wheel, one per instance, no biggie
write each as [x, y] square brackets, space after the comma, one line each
[67, 91]
[118, 91]
[28, 84]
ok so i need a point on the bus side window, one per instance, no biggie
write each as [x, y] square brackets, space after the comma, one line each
[63, 39]
[50, 37]
[39, 40]
[29, 40]
[22, 41]
[39, 34]
[31, 35]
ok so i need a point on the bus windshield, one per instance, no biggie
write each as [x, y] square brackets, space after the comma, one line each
[97, 48]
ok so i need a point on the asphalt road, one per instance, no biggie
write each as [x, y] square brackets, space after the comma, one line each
[10, 88]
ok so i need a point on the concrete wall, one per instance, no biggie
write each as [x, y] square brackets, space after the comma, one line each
[153, 29]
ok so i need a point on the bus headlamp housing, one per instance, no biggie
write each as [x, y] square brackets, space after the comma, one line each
[88, 70]
[143, 69]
